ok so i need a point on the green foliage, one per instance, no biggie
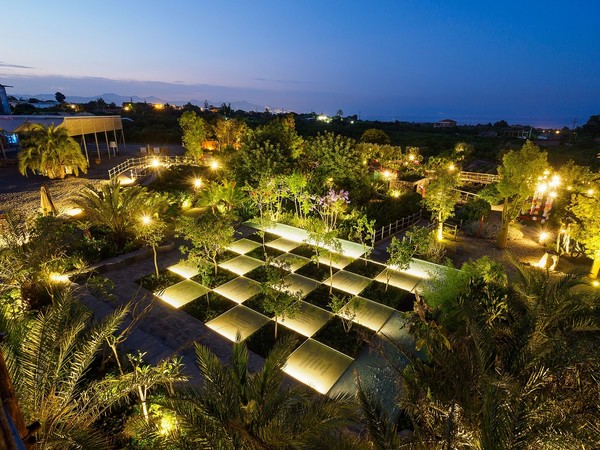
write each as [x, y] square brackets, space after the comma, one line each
[519, 171]
[444, 179]
[277, 298]
[194, 134]
[209, 236]
[375, 136]
[229, 132]
[586, 209]
[115, 207]
[243, 409]
[333, 157]
[48, 151]
[506, 367]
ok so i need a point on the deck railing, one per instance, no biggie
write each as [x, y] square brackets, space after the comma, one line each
[398, 225]
[478, 177]
[139, 165]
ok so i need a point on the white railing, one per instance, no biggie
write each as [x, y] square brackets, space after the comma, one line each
[466, 196]
[139, 165]
[399, 225]
[477, 177]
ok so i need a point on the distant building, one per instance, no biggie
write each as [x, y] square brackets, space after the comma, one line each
[446, 123]
[4, 105]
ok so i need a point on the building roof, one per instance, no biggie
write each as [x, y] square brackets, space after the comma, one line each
[75, 125]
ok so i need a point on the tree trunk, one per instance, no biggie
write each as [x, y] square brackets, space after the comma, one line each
[440, 230]
[502, 242]
[275, 327]
[142, 394]
[155, 260]
[480, 229]
[595, 265]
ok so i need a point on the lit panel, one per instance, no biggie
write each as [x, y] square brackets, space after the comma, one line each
[299, 283]
[184, 269]
[371, 314]
[238, 321]
[317, 365]
[338, 262]
[308, 320]
[283, 244]
[239, 289]
[243, 246]
[349, 282]
[181, 293]
[402, 280]
[294, 261]
[241, 264]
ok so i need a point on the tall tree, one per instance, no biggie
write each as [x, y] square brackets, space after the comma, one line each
[278, 299]
[229, 132]
[194, 130]
[520, 171]
[60, 97]
[586, 208]
[375, 136]
[441, 194]
[50, 151]
[209, 235]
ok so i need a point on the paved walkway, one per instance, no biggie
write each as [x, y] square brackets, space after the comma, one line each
[164, 331]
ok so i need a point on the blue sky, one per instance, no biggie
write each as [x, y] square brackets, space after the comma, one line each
[473, 61]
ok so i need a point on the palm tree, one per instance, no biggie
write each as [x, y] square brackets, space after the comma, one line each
[114, 207]
[49, 151]
[235, 409]
[508, 368]
[49, 358]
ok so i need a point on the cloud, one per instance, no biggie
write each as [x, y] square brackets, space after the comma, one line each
[269, 80]
[14, 66]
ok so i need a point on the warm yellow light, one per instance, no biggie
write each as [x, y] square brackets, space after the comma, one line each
[330, 180]
[73, 212]
[569, 188]
[590, 192]
[596, 283]
[395, 194]
[555, 181]
[544, 236]
[59, 278]
[386, 174]
[155, 162]
[411, 157]
[451, 167]
[546, 172]
[542, 187]
[197, 183]
[552, 194]
[126, 108]
[214, 165]
[146, 220]
[159, 106]
[557, 131]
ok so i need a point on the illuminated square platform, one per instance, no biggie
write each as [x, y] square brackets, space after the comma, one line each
[238, 320]
[239, 290]
[341, 262]
[283, 244]
[184, 269]
[348, 282]
[243, 246]
[299, 283]
[295, 261]
[403, 280]
[317, 365]
[181, 293]
[308, 320]
[241, 264]
[371, 314]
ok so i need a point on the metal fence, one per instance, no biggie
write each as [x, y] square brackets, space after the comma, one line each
[399, 225]
[138, 166]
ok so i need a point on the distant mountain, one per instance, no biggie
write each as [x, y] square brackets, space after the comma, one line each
[120, 99]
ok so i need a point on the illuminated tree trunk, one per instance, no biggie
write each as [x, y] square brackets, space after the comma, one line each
[595, 265]
[440, 230]
[502, 242]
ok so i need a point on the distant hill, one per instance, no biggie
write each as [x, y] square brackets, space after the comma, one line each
[120, 99]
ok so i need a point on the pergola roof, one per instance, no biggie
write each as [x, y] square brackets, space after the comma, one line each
[75, 125]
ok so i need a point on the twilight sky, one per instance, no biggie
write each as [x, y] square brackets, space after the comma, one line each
[535, 62]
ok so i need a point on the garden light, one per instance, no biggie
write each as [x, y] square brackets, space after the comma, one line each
[214, 165]
[197, 183]
[59, 278]
[146, 220]
[544, 236]
[155, 162]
